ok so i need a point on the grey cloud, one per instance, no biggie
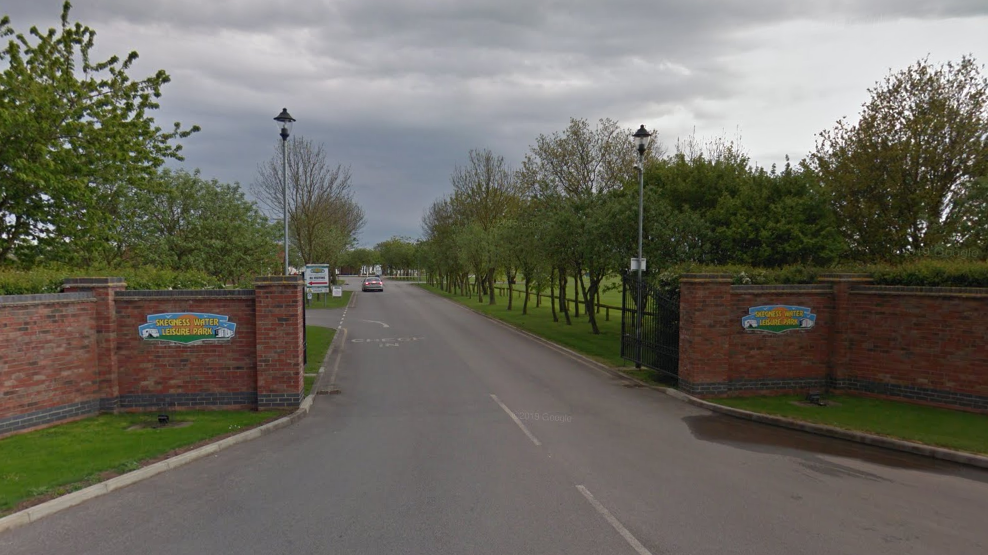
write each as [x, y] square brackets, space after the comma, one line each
[401, 90]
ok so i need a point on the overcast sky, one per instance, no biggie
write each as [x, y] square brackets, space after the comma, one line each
[401, 90]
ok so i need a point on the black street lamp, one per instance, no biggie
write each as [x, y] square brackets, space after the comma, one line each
[641, 140]
[285, 121]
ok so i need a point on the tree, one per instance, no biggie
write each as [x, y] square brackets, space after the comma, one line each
[358, 259]
[572, 175]
[777, 219]
[184, 222]
[486, 193]
[441, 225]
[323, 218]
[72, 132]
[972, 236]
[397, 255]
[895, 177]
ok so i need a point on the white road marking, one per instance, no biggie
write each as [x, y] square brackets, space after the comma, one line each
[339, 353]
[517, 421]
[614, 522]
[376, 322]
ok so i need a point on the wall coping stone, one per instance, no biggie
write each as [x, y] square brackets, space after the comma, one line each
[700, 278]
[918, 290]
[185, 294]
[93, 281]
[841, 276]
[784, 288]
[263, 281]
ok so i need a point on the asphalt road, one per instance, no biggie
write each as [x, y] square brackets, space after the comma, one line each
[454, 434]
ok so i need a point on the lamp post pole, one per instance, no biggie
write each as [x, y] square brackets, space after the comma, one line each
[641, 138]
[285, 121]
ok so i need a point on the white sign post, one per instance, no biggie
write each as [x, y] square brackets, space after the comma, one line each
[634, 264]
[337, 291]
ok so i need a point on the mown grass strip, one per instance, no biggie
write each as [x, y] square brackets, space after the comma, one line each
[61, 459]
[327, 300]
[938, 427]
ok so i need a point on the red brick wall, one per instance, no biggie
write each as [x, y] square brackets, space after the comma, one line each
[280, 354]
[73, 354]
[48, 357]
[919, 339]
[158, 368]
[926, 345]
[790, 355]
[704, 345]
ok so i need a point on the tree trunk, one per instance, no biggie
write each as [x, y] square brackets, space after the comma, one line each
[577, 283]
[588, 295]
[511, 287]
[478, 285]
[562, 287]
[490, 282]
[594, 288]
[552, 294]
[524, 305]
[561, 282]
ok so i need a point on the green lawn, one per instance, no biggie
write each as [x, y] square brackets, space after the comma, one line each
[317, 340]
[610, 289]
[65, 458]
[605, 347]
[928, 425]
[321, 300]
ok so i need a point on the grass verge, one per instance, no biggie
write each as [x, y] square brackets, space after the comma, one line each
[317, 341]
[938, 427]
[325, 300]
[604, 347]
[44, 464]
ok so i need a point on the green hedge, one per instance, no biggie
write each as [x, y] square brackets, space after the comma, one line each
[49, 280]
[918, 273]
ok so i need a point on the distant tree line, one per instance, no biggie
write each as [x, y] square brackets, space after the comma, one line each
[910, 178]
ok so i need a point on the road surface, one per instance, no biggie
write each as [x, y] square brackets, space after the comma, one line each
[454, 434]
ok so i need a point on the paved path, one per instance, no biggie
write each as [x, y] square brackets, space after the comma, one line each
[453, 434]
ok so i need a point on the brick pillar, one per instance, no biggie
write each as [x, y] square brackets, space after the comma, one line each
[841, 340]
[705, 322]
[280, 355]
[104, 290]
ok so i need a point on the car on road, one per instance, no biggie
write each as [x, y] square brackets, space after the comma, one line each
[372, 284]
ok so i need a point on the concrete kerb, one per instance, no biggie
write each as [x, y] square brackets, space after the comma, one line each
[819, 429]
[33, 514]
[325, 361]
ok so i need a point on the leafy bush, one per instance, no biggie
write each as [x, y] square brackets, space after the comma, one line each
[49, 280]
[918, 272]
[16, 282]
[934, 273]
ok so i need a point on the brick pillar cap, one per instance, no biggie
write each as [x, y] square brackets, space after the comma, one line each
[707, 277]
[93, 281]
[278, 280]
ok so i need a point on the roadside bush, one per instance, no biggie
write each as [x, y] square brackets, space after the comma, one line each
[916, 273]
[934, 273]
[18, 282]
[49, 280]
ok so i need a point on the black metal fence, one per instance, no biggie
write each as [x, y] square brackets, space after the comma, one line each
[649, 335]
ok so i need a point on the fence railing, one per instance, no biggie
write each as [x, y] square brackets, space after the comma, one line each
[520, 293]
